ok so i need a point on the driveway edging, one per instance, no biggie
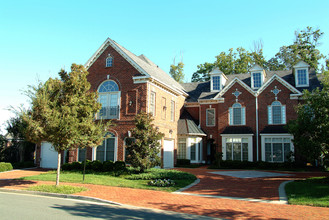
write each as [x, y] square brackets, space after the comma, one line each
[282, 192]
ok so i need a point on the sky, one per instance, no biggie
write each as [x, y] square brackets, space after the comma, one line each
[38, 37]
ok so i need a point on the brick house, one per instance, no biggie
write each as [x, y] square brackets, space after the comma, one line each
[241, 115]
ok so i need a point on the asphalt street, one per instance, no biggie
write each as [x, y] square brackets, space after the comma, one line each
[21, 206]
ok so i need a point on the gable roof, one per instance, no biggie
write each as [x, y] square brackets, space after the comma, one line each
[144, 65]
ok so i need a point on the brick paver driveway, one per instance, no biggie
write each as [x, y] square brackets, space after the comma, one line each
[210, 184]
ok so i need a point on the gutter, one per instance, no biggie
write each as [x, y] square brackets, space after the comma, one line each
[257, 144]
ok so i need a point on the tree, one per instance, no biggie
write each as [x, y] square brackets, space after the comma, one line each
[63, 113]
[202, 74]
[304, 48]
[144, 150]
[177, 71]
[311, 128]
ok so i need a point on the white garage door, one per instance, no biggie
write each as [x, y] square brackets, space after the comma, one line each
[48, 156]
[168, 154]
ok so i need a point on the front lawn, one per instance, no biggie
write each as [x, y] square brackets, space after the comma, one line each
[57, 189]
[313, 191]
[139, 181]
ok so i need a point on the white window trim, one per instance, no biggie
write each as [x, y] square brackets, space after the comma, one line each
[307, 77]
[263, 136]
[115, 150]
[250, 144]
[207, 123]
[108, 93]
[261, 80]
[270, 114]
[198, 142]
[231, 116]
[220, 83]
[150, 106]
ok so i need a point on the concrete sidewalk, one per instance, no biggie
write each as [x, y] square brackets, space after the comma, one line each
[207, 206]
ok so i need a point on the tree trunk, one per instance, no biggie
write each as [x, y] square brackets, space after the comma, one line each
[84, 167]
[58, 168]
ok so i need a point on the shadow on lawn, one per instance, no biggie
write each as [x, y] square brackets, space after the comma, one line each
[16, 182]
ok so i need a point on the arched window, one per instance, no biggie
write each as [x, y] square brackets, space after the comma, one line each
[276, 113]
[237, 114]
[107, 151]
[109, 60]
[109, 97]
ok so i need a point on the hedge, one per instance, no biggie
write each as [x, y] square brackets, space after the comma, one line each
[96, 165]
[5, 166]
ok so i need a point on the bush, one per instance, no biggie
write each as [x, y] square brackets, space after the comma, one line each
[108, 166]
[25, 164]
[183, 162]
[161, 183]
[154, 173]
[5, 166]
[97, 165]
[119, 166]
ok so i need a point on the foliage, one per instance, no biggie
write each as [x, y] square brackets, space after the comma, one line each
[161, 183]
[96, 166]
[177, 72]
[305, 47]
[63, 112]
[183, 162]
[60, 189]
[143, 152]
[25, 164]
[313, 191]
[311, 128]
[154, 173]
[5, 166]
[110, 179]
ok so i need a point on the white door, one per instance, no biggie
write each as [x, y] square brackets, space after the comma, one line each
[168, 154]
[48, 156]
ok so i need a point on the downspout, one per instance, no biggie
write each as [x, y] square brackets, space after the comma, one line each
[257, 128]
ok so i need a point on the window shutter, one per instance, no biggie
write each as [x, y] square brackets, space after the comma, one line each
[283, 109]
[231, 116]
[243, 116]
[269, 112]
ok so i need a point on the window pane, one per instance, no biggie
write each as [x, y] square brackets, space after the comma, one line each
[216, 82]
[301, 77]
[286, 151]
[82, 154]
[277, 152]
[245, 151]
[199, 151]
[110, 149]
[276, 111]
[244, 140]
[181, 148]
[268, 151]
[237, 151]
[237, 116]
[152, 103]
[236, 140]
[228, 151]
[257, 80]
[100, 152]
[172, 112]
[193, 151]
[210, 117]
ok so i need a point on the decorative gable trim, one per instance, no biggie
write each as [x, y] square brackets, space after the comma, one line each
[235, 80]
[282, 81]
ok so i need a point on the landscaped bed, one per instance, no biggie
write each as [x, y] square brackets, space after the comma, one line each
[126, 179]
[313, 191]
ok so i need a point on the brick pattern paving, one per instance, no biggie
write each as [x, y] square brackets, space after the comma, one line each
[214, 207]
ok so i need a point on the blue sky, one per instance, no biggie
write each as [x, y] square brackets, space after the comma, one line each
[38, 38]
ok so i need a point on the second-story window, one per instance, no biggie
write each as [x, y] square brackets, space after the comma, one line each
[210, 117]
[237, 114]
[276, 113]
[109, 97]
[109, 61]
[152, 103]
[172, 111]
[216, 83]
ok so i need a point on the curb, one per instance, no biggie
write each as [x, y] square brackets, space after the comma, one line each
[188, 186]
[282, 192]
[64, 196]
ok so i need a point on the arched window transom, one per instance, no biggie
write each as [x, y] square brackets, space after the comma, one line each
[237, 114]
[276, 113]
[109, 97]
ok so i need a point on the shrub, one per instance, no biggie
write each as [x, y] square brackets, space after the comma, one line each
[154, 173]
[183, 162]
[119, 166]
[161, 183]
[5, 166]
[76, 165]
[25, 164]
[97, 165]
[108, 166]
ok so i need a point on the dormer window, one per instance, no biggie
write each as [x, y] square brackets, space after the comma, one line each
[256, 80]
[217, 80]
[301, 74]
[257, 76]
[109, 61]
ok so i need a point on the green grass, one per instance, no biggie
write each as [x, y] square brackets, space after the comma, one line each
[313, 191]
[131, 181]
[59, 189]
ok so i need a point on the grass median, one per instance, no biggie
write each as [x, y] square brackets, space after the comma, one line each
[129, 180]
[313, 191]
